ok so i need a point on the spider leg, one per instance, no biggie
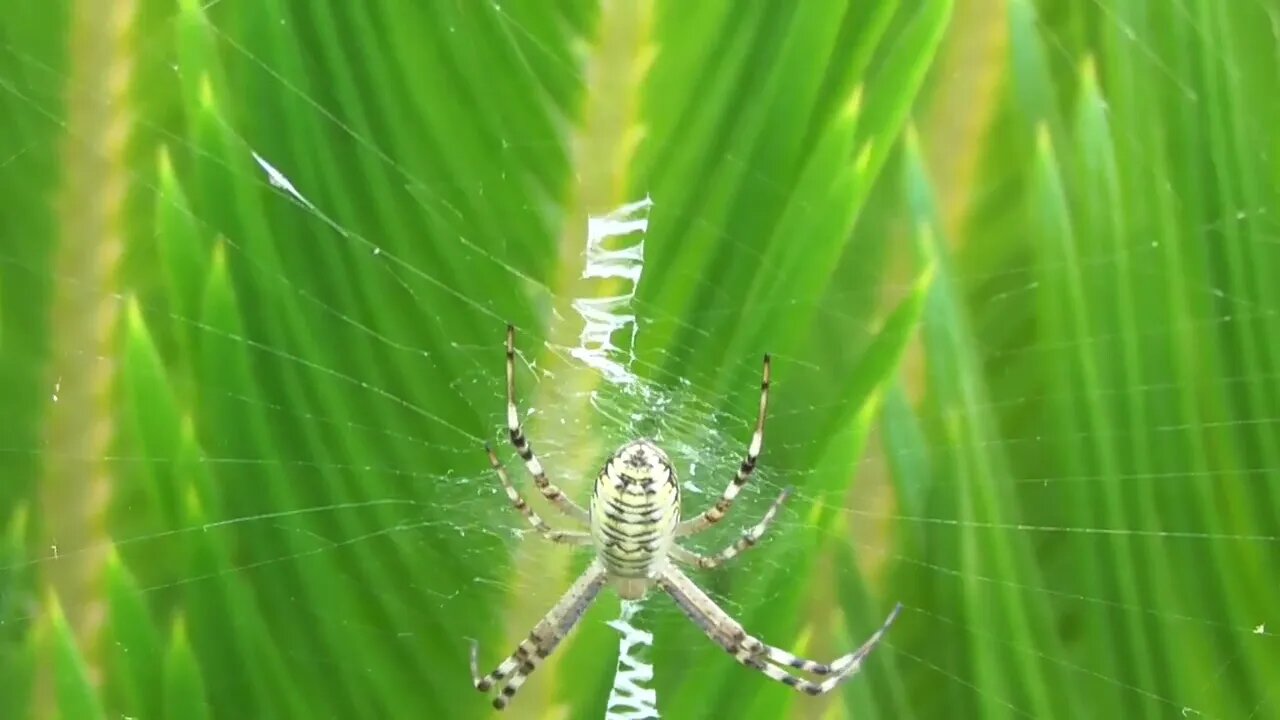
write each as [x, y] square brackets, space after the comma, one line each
[752, 652]
[717, 511]
[749, 538]
[548, 489]
[565, 537]
[840, 665]
[542, 641]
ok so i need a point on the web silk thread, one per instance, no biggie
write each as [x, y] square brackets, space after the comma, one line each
[602, 317]
[630, 699]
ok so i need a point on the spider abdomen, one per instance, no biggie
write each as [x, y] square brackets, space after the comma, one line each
[635, 508]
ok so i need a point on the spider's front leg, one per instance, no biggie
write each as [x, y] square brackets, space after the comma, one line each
[756, 654]
[554, 627]
[841, 667]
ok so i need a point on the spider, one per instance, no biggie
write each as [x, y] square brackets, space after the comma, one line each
[633, 522]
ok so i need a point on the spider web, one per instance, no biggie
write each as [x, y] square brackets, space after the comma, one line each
[295, 519]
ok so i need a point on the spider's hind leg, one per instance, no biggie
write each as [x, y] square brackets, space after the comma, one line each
[564, 537]
[749, 538]
[548, 489]
[717, 511]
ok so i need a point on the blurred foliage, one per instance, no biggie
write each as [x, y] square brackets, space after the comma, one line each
[1013, 258]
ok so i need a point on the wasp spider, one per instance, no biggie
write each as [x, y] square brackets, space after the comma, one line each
[633, 523]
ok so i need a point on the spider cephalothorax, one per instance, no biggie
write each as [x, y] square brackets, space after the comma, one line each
[633, 523]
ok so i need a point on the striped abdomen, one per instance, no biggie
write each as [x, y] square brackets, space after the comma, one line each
[635, 508]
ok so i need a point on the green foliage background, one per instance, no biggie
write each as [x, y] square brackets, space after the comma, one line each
[1015, 259]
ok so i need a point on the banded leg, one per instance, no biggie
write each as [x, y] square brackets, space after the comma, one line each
[554, 627]
[849, 663]
[566, 537]
[754, 653]
[748, 539]
[548, 489]
[716, 512]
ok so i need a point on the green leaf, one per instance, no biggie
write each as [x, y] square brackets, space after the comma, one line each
[1015, 267]
[134, 644]
[184, 692]
[76, 697]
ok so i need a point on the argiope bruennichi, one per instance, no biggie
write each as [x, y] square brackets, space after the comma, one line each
[633, 523]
